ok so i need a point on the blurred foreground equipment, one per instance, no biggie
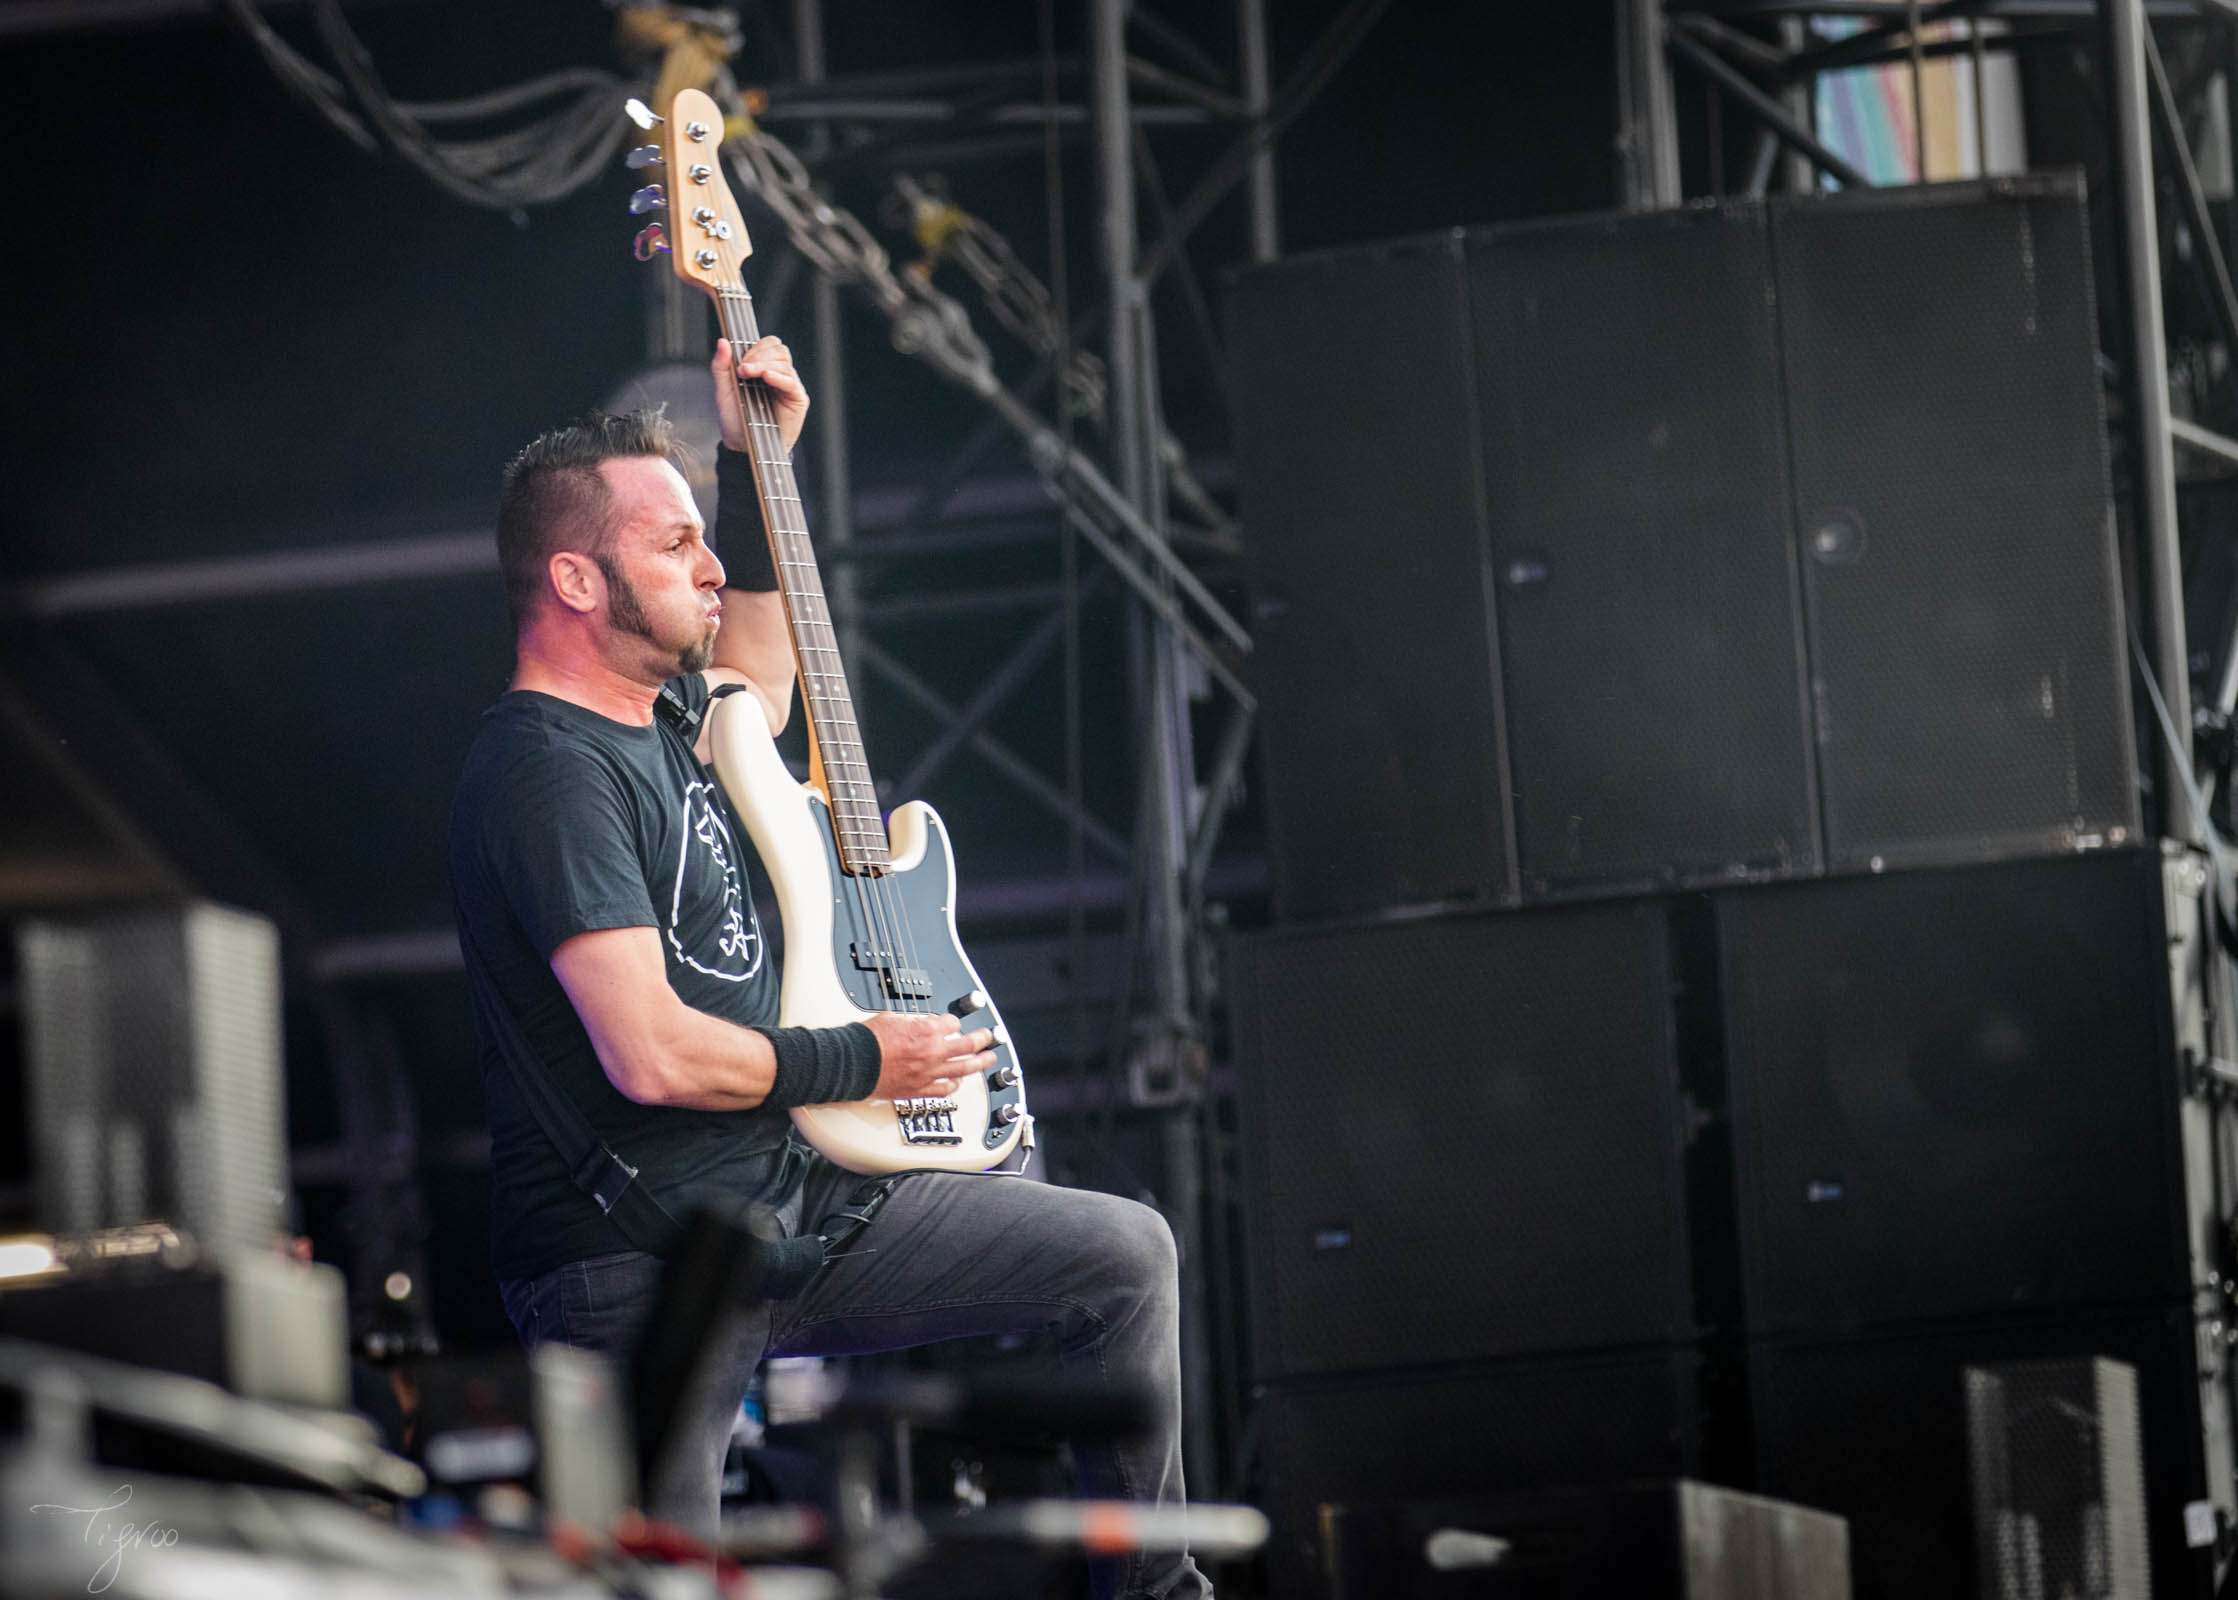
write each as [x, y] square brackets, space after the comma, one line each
[551, 1418]
[156, 1089]
[158, 1100]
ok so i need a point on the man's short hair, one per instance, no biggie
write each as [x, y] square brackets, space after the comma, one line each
[555, 499]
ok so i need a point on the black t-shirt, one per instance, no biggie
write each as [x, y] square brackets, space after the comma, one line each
[566, 822]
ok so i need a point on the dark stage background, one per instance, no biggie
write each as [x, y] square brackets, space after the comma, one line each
[230, 332]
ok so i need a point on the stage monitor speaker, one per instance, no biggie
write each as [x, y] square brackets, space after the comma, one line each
[1964, 608]
[1635, 472]
[1954, 1091]
[1513, 1425]
[1874, 1428]
[1376, 663]
[1462, 1138]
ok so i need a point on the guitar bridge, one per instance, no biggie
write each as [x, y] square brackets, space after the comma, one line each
[928, 1121]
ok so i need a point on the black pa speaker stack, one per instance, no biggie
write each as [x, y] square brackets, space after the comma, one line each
[1721, 991]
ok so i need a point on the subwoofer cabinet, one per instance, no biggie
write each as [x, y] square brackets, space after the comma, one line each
[1463, 1138]
[1956, 1092]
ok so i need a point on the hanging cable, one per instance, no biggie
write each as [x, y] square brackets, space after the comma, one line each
[543, 160]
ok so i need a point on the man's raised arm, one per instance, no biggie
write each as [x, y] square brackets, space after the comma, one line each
[752, 646]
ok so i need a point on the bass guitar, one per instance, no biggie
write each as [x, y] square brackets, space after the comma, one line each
[868, 905]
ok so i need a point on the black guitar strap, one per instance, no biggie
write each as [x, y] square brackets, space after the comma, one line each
[609, 1180]
[671, 707]
[612, 1182]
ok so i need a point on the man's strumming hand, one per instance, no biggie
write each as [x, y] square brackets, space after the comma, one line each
[926, 1053]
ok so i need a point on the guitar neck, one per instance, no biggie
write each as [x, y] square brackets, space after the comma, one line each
[835, 743]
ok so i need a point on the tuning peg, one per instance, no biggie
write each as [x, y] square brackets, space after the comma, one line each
[645, 155]
[647, 199]
[651, 240]
[642, 114]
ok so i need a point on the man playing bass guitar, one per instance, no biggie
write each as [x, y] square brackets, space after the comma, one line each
[606, 915]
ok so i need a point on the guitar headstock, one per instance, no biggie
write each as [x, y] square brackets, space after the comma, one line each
[705, 235]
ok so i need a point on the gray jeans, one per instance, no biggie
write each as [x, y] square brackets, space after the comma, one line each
[949, 1256]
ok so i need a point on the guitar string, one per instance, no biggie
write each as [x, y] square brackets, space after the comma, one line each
[739, 326]
[735, 310]
[891, 934]
[897, 936]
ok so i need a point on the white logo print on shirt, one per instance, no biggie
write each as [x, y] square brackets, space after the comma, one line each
[738, 953]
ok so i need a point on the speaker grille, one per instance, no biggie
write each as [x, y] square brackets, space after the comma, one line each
[1463, 1135]
[2059, 1478]
[1953, 1091]
[1364, 535]
[1951, 495]
[1636, 478]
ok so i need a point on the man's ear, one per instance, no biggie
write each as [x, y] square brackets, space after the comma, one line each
[575, 578]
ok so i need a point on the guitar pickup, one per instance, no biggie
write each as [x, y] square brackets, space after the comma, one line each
[899, 982]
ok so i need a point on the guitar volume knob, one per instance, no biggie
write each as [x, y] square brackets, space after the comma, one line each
[1004, 1116]
[965, 1004]
[1002, 1077]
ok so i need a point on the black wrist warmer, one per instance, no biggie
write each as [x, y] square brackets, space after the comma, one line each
[739, 538]
[822, 1066]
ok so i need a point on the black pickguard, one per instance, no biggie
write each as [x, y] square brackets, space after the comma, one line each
[893, 950]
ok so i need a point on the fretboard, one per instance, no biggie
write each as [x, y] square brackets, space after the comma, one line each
[835, 742]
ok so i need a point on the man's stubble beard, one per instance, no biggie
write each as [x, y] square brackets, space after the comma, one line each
[626, 612]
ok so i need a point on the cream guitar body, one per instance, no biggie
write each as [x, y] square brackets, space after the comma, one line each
[853, 948]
